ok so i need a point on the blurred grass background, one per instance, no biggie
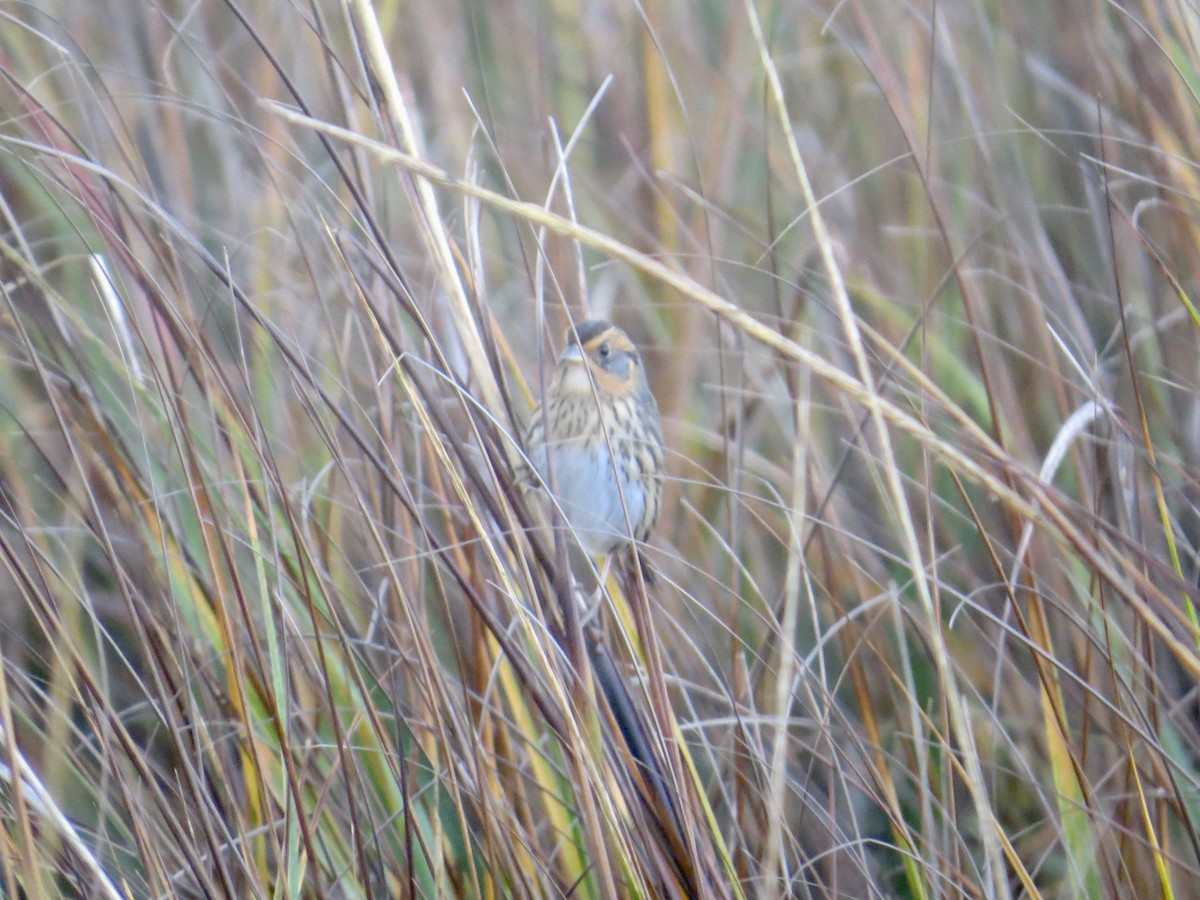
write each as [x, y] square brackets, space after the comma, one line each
[272, 621]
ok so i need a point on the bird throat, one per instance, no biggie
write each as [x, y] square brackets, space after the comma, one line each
[574, 382]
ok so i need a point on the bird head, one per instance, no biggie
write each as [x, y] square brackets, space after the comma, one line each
[599, 353]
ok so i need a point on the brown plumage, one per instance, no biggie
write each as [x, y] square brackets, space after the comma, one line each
[599, 400]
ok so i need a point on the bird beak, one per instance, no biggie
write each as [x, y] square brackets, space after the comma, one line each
[571, 354]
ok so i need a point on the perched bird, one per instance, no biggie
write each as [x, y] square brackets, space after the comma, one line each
[596, 441]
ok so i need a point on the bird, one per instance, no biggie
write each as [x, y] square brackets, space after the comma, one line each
[596, 442]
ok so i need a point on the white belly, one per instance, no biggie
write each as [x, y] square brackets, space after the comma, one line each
[589, 492]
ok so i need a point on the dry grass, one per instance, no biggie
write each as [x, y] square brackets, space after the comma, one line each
[915, 285]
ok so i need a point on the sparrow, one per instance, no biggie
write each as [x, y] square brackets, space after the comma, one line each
[596, 442]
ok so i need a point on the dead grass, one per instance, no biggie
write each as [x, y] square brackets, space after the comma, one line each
[915, 287]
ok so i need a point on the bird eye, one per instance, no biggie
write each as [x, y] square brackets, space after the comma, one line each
[604, 350]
